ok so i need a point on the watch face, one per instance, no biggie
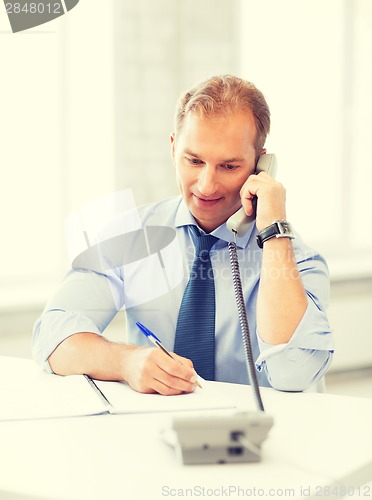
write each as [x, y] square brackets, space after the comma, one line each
[284, 229]
[279, 229]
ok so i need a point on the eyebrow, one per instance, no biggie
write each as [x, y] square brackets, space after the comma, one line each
[233, 160]
[230, 160]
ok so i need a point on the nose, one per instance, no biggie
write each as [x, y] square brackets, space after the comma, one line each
[207, 181]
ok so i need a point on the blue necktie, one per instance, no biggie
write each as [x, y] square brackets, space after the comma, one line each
[196, 318]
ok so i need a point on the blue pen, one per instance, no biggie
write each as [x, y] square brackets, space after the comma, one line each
[156, 341]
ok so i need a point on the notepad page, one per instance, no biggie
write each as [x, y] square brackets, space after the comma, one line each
[125, 400]
[28, 392]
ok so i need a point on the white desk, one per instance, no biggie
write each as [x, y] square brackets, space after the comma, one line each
[316, 439]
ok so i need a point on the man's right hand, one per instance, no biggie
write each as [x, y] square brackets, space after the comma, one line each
[145, 369]
[149, 370]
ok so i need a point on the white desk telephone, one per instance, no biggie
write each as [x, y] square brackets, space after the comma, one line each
[238, 223]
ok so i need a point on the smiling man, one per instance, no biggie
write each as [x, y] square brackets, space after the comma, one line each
[220, 131]
[214, 156]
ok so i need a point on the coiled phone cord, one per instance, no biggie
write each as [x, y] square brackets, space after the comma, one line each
[234, 261]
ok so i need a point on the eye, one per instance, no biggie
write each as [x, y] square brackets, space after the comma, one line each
[193, 161]
[228, 166]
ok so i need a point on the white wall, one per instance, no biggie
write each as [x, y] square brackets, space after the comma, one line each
[350, 318]
[162, 48]
[98, 112]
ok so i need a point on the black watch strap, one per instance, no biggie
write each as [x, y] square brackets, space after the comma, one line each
[278, 229]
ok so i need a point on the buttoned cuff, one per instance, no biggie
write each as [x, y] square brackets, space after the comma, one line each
[303, 359]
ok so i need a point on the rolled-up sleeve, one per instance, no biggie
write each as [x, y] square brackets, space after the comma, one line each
[85, 302]
[298, 364]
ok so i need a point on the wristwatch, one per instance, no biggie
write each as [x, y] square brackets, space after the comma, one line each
[278, 229]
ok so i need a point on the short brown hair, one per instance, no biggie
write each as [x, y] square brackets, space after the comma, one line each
[222, 94]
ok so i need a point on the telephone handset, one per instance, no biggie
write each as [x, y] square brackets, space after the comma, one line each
[238, 223]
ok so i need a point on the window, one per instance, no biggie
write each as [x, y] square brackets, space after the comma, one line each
[57, 143]
[313, 67]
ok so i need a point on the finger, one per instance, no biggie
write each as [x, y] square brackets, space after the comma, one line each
[182, 360]
[151, 370]
[176, 365]
[249, 205]
[249, 188]
[176, 373]
[167, 384]
[152, 378]
[177, 377]
[165, 390]
[195, 378]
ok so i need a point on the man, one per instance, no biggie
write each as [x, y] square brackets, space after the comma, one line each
[220, 131]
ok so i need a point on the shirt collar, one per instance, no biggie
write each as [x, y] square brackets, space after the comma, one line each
[185, 218]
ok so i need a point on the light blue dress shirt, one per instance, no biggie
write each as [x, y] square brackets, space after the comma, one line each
[150, 289]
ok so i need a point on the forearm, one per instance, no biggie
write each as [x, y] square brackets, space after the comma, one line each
[90, 354]
[282, 300]
[146, 369]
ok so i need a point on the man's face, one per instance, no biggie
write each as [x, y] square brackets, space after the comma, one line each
[213, 157]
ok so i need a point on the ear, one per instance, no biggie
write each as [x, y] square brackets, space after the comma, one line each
[173, 145]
